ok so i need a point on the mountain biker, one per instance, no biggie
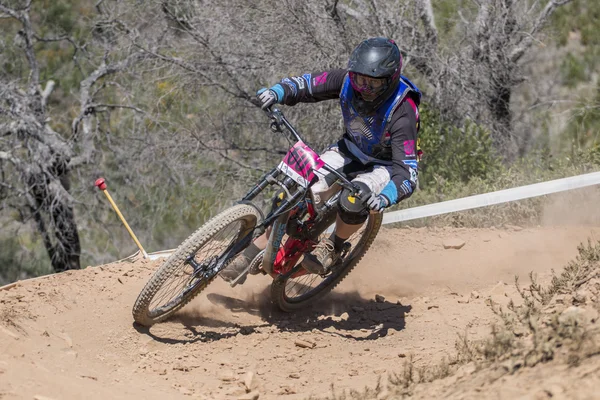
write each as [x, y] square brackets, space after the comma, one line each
[378, 149]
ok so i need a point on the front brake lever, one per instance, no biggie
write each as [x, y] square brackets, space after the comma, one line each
[275, 116]
[275, 126]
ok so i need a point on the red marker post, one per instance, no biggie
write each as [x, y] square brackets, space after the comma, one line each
[101, 184]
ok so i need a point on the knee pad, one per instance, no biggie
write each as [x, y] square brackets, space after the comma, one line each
[352, 218]
[353, 211]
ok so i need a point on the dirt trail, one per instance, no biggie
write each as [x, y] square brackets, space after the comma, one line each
[71, 336]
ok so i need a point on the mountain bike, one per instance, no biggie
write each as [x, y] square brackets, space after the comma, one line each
[295, 222]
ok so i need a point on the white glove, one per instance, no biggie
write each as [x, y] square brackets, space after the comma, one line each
[267, 97]
[377, 202]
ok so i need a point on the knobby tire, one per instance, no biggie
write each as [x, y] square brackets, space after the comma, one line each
[278, 287]
[246, 214]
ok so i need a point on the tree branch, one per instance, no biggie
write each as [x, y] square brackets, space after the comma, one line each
[10, 12]
[6, 129]
[97, 106]
[352, 12]
[377, 19]
[8, 157]
[224, 156]
[483, 14]
[335, 16]
[541, 20]
[27, 34]
[98, 5]
[47, 92]
[54, 39]
[64, 38]
[86, 85]
[241, 94]
[428, 19]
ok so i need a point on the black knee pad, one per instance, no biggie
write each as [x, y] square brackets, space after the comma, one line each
[353, 211]
[352, 218]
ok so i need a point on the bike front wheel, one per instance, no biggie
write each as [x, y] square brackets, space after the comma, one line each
[181, 277]
[292, 293]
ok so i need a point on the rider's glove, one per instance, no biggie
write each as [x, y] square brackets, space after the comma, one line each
[377, 202]
[268, 97]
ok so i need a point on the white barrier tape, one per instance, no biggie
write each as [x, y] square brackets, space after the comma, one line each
[488, 199]
[476, 201]
[466, 203]
[160, 254]
[150, 256]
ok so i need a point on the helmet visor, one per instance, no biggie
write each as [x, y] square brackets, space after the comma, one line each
[367, 86]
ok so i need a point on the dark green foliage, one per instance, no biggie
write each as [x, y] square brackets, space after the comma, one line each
[454, 154]
[583, 130]
[536, 167]
[573, 71]
[21, 258]
[576, 26]
[578, 16]
[60, 15]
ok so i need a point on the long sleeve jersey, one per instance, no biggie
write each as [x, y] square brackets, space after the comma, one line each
[402, 127]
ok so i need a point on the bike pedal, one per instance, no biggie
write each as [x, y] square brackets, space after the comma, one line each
[347, 246]
[241, 278]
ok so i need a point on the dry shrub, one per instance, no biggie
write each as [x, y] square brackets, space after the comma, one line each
[558, 322]
[366, 393]
[555, 322]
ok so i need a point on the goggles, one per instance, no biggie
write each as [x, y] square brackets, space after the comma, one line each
[367, 85]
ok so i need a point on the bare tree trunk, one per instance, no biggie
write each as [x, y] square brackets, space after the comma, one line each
[40, 158]
[499, 105]
[55, 221]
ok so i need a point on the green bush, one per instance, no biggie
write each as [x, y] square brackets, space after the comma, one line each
[536, 167]
[573, 71]
[580, 15]
[22, 258]
[584, 126]
[61, 16]
[452, 154]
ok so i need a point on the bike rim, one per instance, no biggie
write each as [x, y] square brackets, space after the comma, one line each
[303, 287]
[184, 281]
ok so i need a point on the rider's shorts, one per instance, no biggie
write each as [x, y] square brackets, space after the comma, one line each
[376, 177]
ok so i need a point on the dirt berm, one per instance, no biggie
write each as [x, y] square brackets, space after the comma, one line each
[429, 335]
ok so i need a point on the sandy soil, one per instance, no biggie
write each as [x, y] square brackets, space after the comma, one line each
[71, 335]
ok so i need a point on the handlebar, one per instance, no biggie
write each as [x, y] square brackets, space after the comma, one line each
[278, 120]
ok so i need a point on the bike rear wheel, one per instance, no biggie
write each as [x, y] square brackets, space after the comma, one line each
[177, 282]
[293, 293]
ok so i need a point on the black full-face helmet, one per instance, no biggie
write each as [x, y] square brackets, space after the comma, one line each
[374, 68]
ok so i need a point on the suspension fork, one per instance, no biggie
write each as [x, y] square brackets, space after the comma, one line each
[269, 179]
[266, 180]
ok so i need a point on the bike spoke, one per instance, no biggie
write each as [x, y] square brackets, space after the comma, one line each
[169, 289]
[304, 286]
[185, 278]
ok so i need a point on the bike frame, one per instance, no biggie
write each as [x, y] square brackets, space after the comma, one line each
[295, 175]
